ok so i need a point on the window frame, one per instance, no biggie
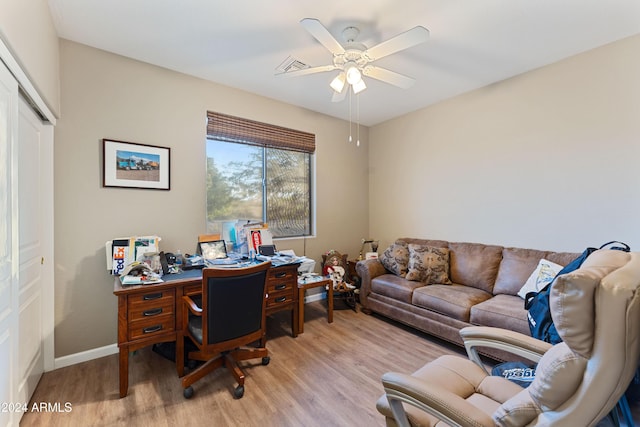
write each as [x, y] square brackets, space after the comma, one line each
[237, 130]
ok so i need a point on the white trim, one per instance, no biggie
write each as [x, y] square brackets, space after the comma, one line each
[85, 356]
[108, 350]
[317, 296]
[48, 313]
[23, 82]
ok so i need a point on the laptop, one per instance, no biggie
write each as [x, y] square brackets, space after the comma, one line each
[214, 250]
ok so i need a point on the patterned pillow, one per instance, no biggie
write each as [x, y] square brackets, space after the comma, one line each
[396, 259]
[544, 274]
[428, 264]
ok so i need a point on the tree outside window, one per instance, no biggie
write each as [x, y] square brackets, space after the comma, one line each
[257, 183]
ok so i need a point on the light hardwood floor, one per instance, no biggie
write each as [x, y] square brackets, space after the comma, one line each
[328, 376]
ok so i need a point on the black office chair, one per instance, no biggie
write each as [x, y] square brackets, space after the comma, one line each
[231, 315]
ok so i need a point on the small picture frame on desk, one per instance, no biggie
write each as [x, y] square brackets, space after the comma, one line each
[130, 165]
[216, 249]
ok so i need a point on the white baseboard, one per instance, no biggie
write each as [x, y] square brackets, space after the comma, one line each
[108, 350]
[84, 356]
[315, 297]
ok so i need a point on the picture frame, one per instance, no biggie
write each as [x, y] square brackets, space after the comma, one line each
[132, 165]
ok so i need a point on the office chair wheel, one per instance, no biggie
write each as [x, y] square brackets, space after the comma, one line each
[238, 392]
[266, 360]
[188, 392]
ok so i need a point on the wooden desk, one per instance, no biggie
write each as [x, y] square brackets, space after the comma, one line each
[149, 314]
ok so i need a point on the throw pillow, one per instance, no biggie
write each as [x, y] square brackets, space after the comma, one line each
[541, 276]
[428, 264]
[396, 259]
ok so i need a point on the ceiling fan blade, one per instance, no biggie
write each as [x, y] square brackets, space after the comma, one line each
[402, 41]
[311, 70]
[339, 96]
[388, 76]
[320, 32]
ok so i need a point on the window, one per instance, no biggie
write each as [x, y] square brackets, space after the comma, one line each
[257, 171]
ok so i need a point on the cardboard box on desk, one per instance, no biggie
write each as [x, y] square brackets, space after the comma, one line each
[257, 237]
[125, 250]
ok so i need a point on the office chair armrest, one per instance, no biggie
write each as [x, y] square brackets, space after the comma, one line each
[433, 399]
[513, 342]
[192, 306]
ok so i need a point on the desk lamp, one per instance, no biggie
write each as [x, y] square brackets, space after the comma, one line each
[374, 247]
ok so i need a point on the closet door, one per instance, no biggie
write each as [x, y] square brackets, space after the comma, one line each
[8, 248]
[35, 188]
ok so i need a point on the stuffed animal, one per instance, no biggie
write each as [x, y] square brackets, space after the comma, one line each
[336, 274]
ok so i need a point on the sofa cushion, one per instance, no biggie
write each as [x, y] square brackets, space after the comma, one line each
[396, 258]
[453, 300]
[562, 258]
[395, 287]
[424, 242]
[474, 264]
[544, 274]
[428, 264]
[516, 265]
[501, 311]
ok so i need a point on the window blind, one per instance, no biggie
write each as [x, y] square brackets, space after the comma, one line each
[224, 127]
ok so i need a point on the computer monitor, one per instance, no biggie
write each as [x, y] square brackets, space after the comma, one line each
[216, 249]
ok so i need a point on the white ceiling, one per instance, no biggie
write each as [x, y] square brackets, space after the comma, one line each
[240, 43]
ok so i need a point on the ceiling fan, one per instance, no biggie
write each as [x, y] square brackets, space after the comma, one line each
[354, 59]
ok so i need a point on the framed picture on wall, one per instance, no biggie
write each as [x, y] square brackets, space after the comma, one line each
[130, 165]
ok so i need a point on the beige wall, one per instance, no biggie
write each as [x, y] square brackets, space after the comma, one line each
[27, 28]
[548, 159]
[109, 96]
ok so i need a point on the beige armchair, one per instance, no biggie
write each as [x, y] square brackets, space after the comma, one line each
[596, 310]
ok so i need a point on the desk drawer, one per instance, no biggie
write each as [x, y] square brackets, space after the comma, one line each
[280, 279]
[276, 299]
[280, 286]
[151, 304]
[152, 326]
[154, 308]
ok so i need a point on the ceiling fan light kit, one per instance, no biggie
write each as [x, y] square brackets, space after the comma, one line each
[358, 86]
[337, 84]
[353, 73]
[354, 59]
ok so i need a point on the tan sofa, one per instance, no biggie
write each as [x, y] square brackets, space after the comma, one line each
[485, 280]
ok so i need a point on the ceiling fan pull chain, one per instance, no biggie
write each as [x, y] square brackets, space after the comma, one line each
[358, 120]
[350, 121]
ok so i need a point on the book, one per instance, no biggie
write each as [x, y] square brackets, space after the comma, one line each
[139, 280]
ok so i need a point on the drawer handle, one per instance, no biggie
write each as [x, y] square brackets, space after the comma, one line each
[281, 299]
[281, 287]
[151, 329]
[152, 312]
[152, 296]
[280, 275]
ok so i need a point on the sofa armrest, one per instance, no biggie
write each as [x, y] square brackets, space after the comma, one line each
[368, 270]
[435, 400]
[513, 342]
